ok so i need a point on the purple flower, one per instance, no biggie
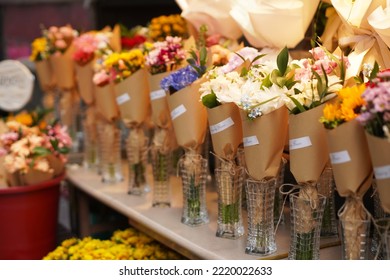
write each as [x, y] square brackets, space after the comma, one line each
[179, 79]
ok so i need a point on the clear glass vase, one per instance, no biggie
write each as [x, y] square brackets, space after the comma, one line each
[355, 235]
[161, 163]
[260, 204]
[380, 216]
[326, 187]
[382, 235]
[137, 158]
[193, 172]
[306, 219]
[278, 204]
[229, 179]
[110, 151]
[90, 150]
[240, 160]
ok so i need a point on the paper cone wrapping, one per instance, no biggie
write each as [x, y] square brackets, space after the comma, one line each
[132, 97]
[380, 157]
[366, 30]
[115, 40]
[56, 164]
[216, 16]
[84, 75]
[68, 107]
[45, 74]
[30, 178]
[307, 145]
[288, 19]
[105, 102]
[350, 159]
[159, 103]
[225, 129]
[63, 69]
[3, 180]
[264, 139]
[189, 116]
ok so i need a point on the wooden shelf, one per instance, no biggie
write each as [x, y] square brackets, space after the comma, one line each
[164, 224]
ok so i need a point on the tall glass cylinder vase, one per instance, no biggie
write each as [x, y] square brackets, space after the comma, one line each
[326, 187]
[161, 163]
[90, 145]
[137, 157]
[306, 219]
[109, 135]
[240, 159]
[193, 172]
[355, 235]
[278, 204]
[229, 178]
[382, 236]
[260, 204]
[380, 216]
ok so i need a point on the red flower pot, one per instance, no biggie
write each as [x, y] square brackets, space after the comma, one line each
[28, 219]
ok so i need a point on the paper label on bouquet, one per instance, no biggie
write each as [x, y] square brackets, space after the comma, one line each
[221, 126]
[157, 94]
[122, 98]
[382, 172]
[339, 157]
[178, 111]
[299, 143]
[250, 141]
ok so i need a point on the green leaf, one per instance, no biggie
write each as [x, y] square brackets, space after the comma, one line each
[258, 57]
[210, 100]
[298, 105]
[244, 72]
[63, 150]
[282, 61]
[203, 56]
[266, 82]
[374, 71]
[41, 151]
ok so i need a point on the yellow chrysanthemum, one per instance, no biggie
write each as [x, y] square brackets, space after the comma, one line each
[39, 49]
[23, 118]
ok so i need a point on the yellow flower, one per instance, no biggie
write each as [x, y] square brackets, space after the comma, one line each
[39, 49]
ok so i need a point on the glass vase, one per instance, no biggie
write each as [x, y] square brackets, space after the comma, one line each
[161, 164]
[240, 160]
[193, 172]
[380, 216]
[260, 204]
[90, 150]
[355, 239]
[306, 219]
[278, 204]
[137, 158]
[229, 178]
[326, 187]
[382, 235]
[110, 151]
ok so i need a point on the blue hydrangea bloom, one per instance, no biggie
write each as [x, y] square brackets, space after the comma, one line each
[179, 79]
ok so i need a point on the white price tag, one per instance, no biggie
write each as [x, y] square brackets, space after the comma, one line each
[123, 98]
[221, 126]
[339, 157]
[250, 141]
[157, 94]
[299, 143]
[178, 111]
[382, 172]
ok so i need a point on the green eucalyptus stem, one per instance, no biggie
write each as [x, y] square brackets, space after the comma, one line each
[193, 199]
[305, 243]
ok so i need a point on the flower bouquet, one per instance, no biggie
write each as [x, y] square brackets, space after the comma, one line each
[350, 160]
[171, 25]
[132, 38]
[33, 151]
[375, 117]
[40, 55]
[131, 88]
[264, 125]
[60, 40]
[182, 87]
[161, 59]
[88, 48]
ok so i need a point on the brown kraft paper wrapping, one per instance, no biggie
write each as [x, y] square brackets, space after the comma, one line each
[263, 159]
[350, 159]
[45, 74]
[106, 103]
[307, 145]
[115, 40]
[84, 75]
[132, 97]
[226, 129]
[63, 68]
[35, 177]
[160, 110]
[189, 125]
[56, 164]
[380, 156]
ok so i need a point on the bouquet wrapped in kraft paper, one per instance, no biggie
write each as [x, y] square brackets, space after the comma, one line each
[352, 168]
[376, 122]
[33, 151]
